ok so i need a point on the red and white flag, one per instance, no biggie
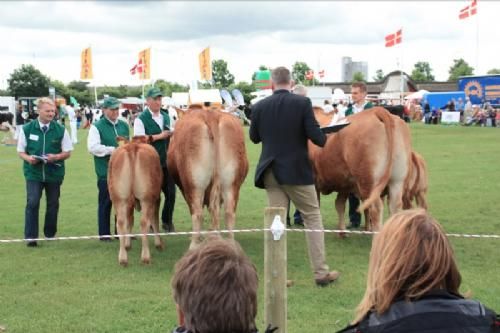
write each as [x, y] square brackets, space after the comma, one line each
[137, 68]
[321, 73]
[310, 74]
[468, 11]
[393, 39]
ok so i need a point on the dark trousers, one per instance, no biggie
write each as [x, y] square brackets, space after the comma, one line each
[103, 208]
[168, 189]
[34, 193]
[354, 216]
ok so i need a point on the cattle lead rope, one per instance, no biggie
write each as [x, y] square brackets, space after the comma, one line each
[187, 233]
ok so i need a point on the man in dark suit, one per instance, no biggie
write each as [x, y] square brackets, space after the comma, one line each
[283, 122]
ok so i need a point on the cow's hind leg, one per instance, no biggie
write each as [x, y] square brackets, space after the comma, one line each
[196, 209]
[121, 225]
[156, 225]
[146, 219]
[375, 212]
[340, 208]
[230, 200]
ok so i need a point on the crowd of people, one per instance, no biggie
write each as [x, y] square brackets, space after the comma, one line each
[470, 114]
[413, 280]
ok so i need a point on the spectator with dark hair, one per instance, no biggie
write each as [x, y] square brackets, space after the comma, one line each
[215, 289]
[413, 283]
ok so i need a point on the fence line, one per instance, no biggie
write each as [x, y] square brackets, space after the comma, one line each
[188, 233]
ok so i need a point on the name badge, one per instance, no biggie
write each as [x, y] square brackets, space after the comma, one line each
[34, 137]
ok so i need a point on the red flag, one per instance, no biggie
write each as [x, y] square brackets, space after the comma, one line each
[321, 73]
[468, 11]
[393, 39]
[310, 74]
[133, 69]
[139, 67]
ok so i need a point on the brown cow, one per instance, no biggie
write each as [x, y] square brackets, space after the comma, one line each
[371, 153]
[207, 159]
[416, 183]
[135, 175]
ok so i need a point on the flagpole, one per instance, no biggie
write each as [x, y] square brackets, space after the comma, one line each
[477, 39]
[401, 86]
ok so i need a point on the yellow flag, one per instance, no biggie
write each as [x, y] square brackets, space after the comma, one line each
[86, 68]
[205, 64]
[144, 65]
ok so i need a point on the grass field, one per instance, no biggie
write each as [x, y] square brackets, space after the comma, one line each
[78, 286]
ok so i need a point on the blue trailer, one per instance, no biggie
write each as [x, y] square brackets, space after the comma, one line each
[438, 100]
[481, 88]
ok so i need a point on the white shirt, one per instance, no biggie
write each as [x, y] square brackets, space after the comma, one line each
[71, 113]
[139, 125]
[66, 143]
[94, 145]
[327, 108]
[358, 108]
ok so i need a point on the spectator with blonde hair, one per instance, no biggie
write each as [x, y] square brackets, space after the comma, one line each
[413, 282]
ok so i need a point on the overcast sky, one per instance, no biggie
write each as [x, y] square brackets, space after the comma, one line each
[51, 36]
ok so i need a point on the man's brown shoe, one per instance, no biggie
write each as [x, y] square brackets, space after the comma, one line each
[327, 279]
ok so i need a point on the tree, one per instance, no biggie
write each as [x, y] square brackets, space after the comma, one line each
[494, 71]
[358, 77]
[422, 72]
[221, 75]
[379, 76]
[459, 68]
[299, 71]
[28, 81]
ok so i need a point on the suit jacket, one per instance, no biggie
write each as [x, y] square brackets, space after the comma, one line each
[283, 122]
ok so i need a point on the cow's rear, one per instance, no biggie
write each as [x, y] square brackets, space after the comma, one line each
[135, 175]
[207, 160]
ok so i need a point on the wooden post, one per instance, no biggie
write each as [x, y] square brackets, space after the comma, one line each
[275, 266]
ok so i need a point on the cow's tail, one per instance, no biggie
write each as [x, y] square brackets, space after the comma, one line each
[387, 119]
[215, 191]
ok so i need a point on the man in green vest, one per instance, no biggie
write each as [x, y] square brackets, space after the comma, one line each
[155, 123]
[43, 145]
[101, 143]
[358, 93]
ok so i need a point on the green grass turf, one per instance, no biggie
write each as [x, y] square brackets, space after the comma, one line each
[78, 286]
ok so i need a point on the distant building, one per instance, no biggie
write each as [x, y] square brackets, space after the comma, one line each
[350, 67]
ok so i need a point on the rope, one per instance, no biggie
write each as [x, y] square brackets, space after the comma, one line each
[188, 233]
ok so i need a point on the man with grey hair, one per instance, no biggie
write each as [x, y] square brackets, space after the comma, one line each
[300, 89]
[283, 122]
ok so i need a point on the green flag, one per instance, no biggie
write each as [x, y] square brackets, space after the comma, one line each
[73, 101]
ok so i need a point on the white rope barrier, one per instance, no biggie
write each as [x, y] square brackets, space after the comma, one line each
[189, 233]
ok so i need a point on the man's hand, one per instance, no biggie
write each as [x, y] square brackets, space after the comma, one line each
[162, 136]
[51, 158]
[31, 160]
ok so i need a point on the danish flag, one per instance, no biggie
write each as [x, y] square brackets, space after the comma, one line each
[137, 68]
[468, 11]
[393, 39]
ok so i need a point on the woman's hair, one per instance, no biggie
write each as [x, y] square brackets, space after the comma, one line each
[409, 257]
[215, 286]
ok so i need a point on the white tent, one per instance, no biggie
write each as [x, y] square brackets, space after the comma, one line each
[417, 95]
[205, 95]
[180, 98]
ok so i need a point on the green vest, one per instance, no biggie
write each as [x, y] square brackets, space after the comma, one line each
[349, 110]
[39, 143]
[151, 127]
[108, 133]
